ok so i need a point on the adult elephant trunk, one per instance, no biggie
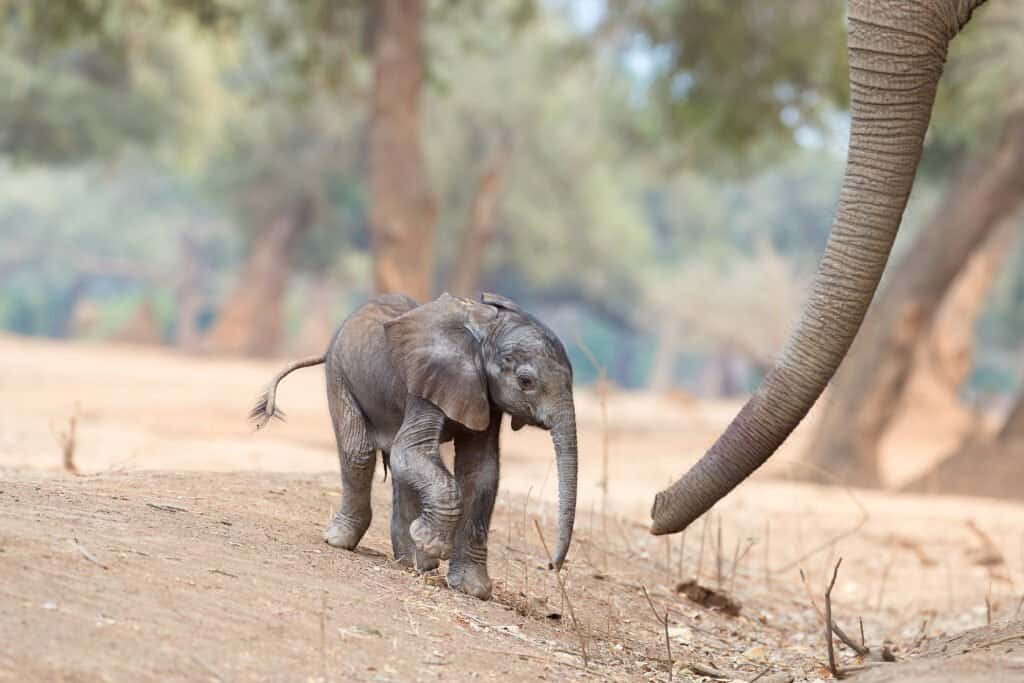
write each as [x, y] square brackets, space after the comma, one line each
[896, 51]
[563, 435]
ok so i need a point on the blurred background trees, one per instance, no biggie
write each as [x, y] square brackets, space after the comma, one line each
[655, 179]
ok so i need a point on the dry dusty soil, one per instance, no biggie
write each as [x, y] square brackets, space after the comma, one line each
[188, 548]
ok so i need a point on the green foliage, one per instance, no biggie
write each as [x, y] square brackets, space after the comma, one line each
[981, 84]
[730, 80]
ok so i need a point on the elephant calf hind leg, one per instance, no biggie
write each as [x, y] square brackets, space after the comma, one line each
[405, 507]
[353, 518]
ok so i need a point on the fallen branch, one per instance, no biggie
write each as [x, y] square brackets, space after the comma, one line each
[166, 508]
[1004, 639]
[710, 671]
[545, 660]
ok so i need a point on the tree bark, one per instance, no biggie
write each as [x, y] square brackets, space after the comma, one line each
[867, 389]
[942, 361]
[479, 231]
[250, 321]
[142, 328]
[318, 320]
[402, 205]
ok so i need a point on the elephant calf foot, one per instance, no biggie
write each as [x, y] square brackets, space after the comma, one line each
[418, 561]
[345, 531]
[471, 579]
[428, 540]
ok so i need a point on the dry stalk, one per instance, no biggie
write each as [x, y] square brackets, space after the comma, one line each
[323, 632]
[508, 545]
[860, 649]
[700, 552]
[828, 622]
[580, 631]
[663, 621]
[68, 442]
[718, 555]
[922, 632]
[736, 559]
[864, 517]
[1020, 606]
[668, 560]
[682, 555]
[881, 584]
[602, 399]
[527, 608]
[988, 605]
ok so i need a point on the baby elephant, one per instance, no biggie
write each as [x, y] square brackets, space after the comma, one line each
[403, 379]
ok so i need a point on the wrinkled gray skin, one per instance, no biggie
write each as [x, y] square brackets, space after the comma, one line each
[897, 49]
[404, 378]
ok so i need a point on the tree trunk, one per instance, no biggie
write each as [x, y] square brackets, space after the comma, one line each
[1013, 426]
[867, 389]
[942, 361]
[318, 320]
[142, 328]
[931, 410]
[479, 230]
[986, 466]
[250, 321]
[402, 205]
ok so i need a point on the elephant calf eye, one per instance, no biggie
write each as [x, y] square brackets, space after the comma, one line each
[525, 382]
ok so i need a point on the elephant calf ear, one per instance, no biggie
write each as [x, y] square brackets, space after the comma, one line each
[434, 347]
[500, 301]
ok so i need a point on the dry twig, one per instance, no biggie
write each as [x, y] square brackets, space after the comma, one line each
[68, 442]
[87, 555]
[828, 622]
[1004, 639]
[580, 632]
[663, 621]
[860, 649]
[828, 543]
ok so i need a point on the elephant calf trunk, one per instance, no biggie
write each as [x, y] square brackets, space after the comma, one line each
[563, 436]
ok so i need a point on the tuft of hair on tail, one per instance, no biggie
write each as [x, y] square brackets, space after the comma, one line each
[265, 410]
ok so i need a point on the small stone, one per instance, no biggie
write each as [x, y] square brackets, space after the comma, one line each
[756, 653]
[49, 605]
[681, 634]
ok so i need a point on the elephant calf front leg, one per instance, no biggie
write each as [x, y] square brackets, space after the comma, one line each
[416, 464]
[476, 469]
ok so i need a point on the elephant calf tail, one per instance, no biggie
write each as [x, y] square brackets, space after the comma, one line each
[265, 409]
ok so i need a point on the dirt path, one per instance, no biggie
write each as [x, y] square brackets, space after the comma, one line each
[237, 585]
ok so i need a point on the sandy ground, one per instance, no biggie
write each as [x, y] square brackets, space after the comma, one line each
[103, 581]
